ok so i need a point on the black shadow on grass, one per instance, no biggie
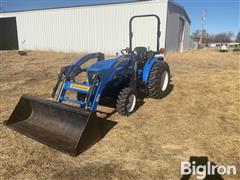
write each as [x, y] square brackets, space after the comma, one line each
[105, 124]
[168, 92]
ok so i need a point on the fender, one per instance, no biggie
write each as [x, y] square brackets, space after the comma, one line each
[148, 66]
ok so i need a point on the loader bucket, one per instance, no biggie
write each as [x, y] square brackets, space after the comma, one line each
[63, 127]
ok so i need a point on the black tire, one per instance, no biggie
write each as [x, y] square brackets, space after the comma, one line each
[123, 103]
[155, 86]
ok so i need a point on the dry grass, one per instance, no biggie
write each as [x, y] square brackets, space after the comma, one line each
[199, 118]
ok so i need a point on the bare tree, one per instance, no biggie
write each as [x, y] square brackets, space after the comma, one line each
[211, 38]
[197, 35]
[223, 37]
[238, 37]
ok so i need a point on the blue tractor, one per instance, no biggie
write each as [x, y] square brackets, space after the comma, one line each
[122, 80]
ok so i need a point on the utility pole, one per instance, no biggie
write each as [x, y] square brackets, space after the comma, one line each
[203, 18]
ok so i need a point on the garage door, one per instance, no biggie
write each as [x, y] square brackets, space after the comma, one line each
[8, 34]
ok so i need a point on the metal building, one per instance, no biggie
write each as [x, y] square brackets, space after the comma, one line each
[95, 28]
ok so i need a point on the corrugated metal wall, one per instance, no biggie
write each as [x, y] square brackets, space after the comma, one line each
[93, 28]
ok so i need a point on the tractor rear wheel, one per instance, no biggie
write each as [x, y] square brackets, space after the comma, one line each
[126, 101]
[159, 78]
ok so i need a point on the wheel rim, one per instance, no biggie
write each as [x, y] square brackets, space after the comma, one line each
[164, 80]
[131, 103]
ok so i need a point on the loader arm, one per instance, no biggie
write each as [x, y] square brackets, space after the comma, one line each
[71, 71]
[99, 74]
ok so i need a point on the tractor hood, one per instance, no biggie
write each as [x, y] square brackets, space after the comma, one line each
[107, 69]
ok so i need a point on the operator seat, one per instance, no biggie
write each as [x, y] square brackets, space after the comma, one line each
[141, 53]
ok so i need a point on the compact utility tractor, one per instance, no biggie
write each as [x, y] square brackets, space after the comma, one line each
[124, 79]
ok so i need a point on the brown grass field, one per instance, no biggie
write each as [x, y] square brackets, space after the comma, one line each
[200, 117]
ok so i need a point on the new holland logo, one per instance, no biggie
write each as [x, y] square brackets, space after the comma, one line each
[80, 87]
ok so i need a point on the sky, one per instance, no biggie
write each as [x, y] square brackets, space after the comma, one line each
[221, 15]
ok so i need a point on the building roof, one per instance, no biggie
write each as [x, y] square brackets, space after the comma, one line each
[98, 3]
[60, 4]
[181, 8]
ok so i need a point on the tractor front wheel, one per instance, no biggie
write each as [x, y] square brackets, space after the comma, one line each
[126, 101]
[159, 78]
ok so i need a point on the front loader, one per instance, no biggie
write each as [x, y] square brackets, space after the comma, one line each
[71, 124]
